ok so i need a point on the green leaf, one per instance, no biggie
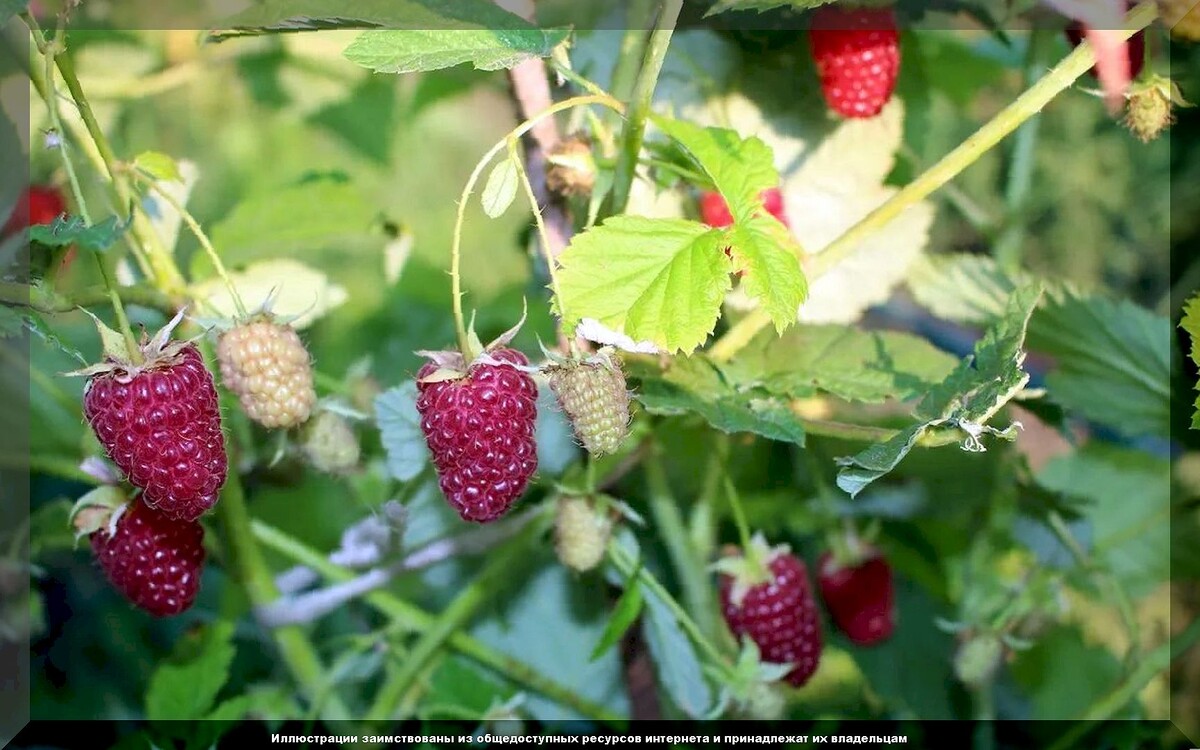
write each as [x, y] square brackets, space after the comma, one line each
[657, 280]
[413, 51]
[187, 686]
[366, 119]
[740, 168]
[38, 326]
[1129, 512]
[1112, 361]
[988, 379]
[400, 431]
[275, 16]
[724, 6]
[963, 288]
[1191, 324]
[763, 248]
[848, 362]
[551, 624]
[629, 606]
[967, 398]
[158, 165]
[679, 668]
[1064, 674]
[695, 385]
[500, 190]
[768, 255]
[50, 528]
[73, 230]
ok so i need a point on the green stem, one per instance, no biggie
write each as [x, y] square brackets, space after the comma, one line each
[162, 263]
[627, 566]
[416, 619]
[643, 97]
[639, 17]
[1028, 104]
[739, 515]
[43, 299]
[456, 244]
[198, 232]
[1107, 581]
[50, 53]
[669, 522]
[543, 236]
[1023, 159]
[502, 565]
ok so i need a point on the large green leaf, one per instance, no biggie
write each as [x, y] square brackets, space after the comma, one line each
[657, 280]
[308, 15]
[961, 287]
[857, 365]
[1112, 361]
[695, 385]
[722, 6]
[967, 398]
[1129, 510]
[1191, 324]
[762, 247]
[187, 687]
[412, 51]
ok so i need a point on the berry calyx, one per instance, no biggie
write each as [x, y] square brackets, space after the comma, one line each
[478, 420]
[857, 54]
[582, 529]
[154, 561]
[765, 596]
[594, 397]
[266, 365]
[859, 596]
[159, 421]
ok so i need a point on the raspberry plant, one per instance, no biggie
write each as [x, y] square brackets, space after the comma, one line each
[834, 365]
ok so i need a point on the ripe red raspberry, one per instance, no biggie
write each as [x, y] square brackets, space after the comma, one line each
[768, 599]
[480, 429]
[266, 365]
[38, 204]
[160, 424]
[154, 561]
[857, 52]
[859, 596]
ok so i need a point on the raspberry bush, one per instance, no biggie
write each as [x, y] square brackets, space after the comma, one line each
[792, 360]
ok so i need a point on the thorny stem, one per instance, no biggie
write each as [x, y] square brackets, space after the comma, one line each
[643, 97]
[517, 132]
[414, 619]
[50, 52]
[199, 233]
[543, 236]
[627, 566]
[1005, 122]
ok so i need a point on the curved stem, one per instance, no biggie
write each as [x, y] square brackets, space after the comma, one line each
[1028, 104]
[201, 237]
[543, 236]
[456, 244]
[643, 97]
[50, 53]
